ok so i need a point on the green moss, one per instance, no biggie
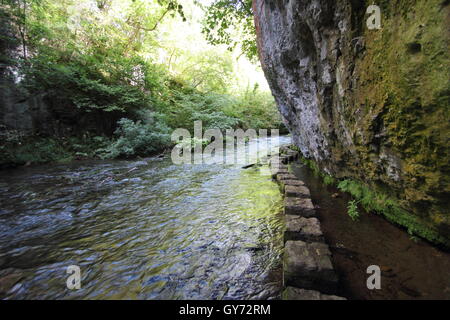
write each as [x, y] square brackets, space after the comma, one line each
[393, 122]
[326, 178]
[399, 108]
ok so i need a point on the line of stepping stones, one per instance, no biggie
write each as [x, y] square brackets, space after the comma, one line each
[308, 273]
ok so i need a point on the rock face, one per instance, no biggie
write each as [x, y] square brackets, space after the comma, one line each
[44, 113]
[367, 105]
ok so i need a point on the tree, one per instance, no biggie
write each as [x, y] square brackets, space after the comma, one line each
[228, 20]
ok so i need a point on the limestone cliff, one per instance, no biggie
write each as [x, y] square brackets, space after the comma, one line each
[369, 105]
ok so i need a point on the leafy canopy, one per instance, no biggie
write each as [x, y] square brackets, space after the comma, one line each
[230, 22]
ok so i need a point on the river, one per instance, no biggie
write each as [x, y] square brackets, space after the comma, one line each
[149, 229]
[143, 229]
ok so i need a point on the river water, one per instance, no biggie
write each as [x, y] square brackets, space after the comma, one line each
[144, 229]
[150, 229]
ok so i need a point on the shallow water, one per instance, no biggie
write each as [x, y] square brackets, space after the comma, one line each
[143, 229]
[410, 268]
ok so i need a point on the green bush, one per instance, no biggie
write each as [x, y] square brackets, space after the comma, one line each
[139, 139]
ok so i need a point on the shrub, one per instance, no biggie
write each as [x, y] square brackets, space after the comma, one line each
[139, 139]
[193, 142]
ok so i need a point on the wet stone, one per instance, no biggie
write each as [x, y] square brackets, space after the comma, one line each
[280, 167]
[275, 161]
[291, 293]
[308, 266]
[305, 229]
[299, 207]
[285, 183]
[281, 171]
[296, 191]
[289, 176]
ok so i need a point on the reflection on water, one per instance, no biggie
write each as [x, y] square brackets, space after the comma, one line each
[140, 229]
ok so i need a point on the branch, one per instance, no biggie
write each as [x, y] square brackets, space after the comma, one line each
[156, 24]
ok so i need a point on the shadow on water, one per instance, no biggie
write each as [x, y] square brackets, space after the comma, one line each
[410, 269]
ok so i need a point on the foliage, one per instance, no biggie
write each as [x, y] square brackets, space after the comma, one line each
[139, 139]
[192, 142]
[127, 59]
[371, 201]
[32, 151]
[37, 149]
[225, 19]
[255, 109]
[189, 105]
[84, 86]
[353, 210]
[328, 180]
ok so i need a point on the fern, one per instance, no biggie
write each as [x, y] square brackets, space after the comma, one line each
[353, 210]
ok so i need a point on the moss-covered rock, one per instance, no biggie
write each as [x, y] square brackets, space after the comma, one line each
[368, 105]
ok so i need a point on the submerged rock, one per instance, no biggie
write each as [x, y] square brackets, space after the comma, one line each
[308, 266]
[299, 206]
[299, 228]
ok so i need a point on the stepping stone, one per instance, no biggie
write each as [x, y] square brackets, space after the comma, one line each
[288, 176]
[291, 293]
[285, 183]
[281, 167]
[294, 182]
[305, 229]
[308, 266]
[299, 207]
[276, 171]
[277, 166]
[296, 191]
